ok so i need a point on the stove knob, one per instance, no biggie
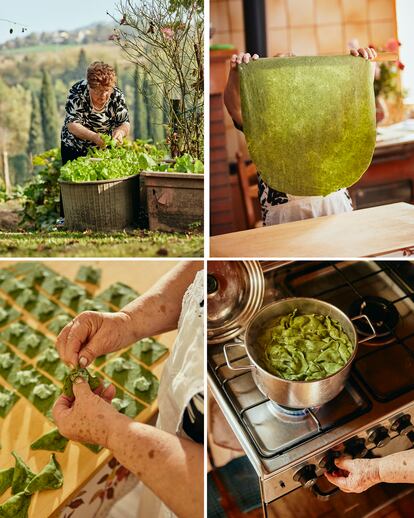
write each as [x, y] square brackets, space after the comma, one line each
[403, 425]
[306, 476]
[328, 462]
[355, 447]
[379, 437]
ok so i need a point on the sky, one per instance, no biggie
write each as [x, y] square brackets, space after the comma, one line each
[50, 15]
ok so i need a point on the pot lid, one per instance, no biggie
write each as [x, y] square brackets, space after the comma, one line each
[235, 291]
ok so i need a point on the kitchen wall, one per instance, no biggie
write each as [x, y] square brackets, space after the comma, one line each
[305, 27]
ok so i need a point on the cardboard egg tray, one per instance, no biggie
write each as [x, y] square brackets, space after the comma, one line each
[35, 304]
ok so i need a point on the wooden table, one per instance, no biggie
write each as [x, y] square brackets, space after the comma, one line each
[24, 423]
[373, 232]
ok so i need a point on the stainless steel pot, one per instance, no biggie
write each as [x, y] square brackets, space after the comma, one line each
[296, 394]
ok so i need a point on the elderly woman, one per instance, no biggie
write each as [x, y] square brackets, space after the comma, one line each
[94, 106]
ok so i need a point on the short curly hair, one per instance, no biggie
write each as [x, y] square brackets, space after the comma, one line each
[100, 74]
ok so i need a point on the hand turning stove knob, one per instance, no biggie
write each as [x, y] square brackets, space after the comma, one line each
[379, 437]
[403, 425]
[355, 447]
[328, 462]
[306, 476]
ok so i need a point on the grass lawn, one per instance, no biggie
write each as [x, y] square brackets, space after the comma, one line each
[138, 243]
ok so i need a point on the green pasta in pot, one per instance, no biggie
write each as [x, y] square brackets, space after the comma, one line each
[304, 347]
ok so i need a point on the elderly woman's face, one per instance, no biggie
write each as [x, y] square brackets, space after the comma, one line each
[100, 94]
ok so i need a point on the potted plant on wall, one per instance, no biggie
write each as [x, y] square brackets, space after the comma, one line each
[387, 86]
[165, 40]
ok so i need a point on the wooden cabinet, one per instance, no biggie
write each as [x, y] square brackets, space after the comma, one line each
[389, 178]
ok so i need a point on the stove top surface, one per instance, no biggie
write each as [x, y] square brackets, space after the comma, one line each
[382, 376]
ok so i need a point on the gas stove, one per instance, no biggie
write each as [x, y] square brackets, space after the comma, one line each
[374, 413]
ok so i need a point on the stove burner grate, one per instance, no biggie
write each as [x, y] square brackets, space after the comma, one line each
[382, 313]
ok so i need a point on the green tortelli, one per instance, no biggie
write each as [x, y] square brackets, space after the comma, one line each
[304, 347]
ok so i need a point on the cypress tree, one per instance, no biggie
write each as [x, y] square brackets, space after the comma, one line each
[157, 129]
[35, 144]
[140, 107]
[147, 123]
[48, 109]
[82, 65]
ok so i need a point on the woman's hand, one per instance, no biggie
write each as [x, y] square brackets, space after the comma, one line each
[89, 417]
[362, 474]
[97, 140]
[92, 334]
[364, 52]
[232, 90]
[238, 59]
[118, 134]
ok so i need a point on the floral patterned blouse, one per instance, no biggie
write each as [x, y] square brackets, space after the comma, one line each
[79, 109]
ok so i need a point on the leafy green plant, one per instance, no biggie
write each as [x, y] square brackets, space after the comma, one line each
[119, 161]
[183, 164]
[41, 195]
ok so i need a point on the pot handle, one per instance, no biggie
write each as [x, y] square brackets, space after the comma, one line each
[228, 361]
[374, 333]
[324, 495]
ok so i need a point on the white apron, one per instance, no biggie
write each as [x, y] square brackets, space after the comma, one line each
[304, 207]
[182, 378]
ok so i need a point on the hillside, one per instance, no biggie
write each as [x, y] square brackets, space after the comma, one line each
[94, 33]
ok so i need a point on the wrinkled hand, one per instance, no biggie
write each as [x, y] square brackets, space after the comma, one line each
[92, 334]
[118, 135]
[362, 474]
[89, 417]
[364, 52]
[238, 59]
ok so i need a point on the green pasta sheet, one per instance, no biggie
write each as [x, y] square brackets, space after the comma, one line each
[37, 275]
[148, 350]
[17, 506]
[6, 479]
[93, 305]
[13, 286]
[4, 276]
[49, 362]
[118, 294]
[55, 284]
[72, 296]
[129, 375]
[44, 309]
[50, 477]
[25, 338]
[7, 313]
[8, 399]
[50, 441]
[9, 362]
[89, 274]
[100, 360]
[35, 387]
[58, 323]
[125, 404]
[304, 347]
[309, 122]
[25, 267]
